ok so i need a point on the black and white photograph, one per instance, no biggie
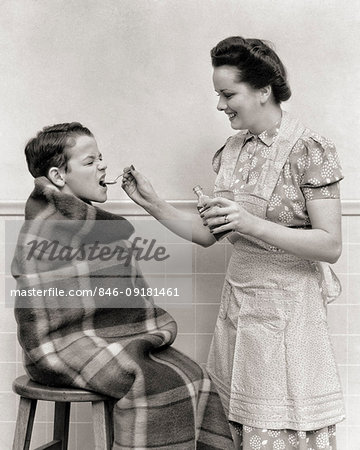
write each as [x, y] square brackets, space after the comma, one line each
[180, 225]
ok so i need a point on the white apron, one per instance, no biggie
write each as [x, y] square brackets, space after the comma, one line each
[271, 358]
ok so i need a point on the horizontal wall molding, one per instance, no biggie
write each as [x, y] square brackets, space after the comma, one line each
[123, 207]
[129, 208]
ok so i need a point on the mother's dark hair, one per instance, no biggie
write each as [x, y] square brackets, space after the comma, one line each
[257, 62]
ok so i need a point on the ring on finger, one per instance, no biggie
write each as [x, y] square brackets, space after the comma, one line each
[226, 219]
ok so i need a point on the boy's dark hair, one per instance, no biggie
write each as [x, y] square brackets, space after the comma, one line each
[46, 150]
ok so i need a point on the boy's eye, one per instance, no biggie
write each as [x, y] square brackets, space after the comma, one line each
[90, 162]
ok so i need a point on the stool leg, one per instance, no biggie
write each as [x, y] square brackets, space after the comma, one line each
[24, 423]
[110, 408]
[102, 425]
[61, 423]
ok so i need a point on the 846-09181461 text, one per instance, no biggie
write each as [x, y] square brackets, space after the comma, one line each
[101, 292]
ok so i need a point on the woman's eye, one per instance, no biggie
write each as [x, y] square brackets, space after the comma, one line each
[89, 163]
[225, 95]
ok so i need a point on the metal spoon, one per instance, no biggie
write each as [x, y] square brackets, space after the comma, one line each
[115, 180]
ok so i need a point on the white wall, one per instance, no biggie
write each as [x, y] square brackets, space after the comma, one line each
[138, 74]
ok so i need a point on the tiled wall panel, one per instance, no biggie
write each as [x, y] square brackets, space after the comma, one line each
[195, 312]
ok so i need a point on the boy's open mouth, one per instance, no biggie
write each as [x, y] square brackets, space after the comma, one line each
[102, 181]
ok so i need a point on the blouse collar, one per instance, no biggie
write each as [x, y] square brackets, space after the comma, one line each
[267, 136]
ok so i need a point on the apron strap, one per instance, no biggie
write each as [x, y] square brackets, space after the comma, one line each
[290, 132]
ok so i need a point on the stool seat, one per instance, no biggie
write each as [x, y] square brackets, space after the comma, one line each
[28, 388]
[30, 392]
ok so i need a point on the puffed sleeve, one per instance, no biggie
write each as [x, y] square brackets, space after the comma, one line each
[321, 169]
[216, 161]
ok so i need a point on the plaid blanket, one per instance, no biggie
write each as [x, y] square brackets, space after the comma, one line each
[119, 346]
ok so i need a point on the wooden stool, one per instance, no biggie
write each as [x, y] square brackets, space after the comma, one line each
[30, 392]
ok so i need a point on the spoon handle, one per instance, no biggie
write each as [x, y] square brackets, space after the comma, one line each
[115, 181]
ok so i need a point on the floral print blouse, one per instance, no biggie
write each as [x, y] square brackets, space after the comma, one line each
[312, 171]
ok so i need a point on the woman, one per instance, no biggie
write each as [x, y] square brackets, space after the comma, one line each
[271, 357]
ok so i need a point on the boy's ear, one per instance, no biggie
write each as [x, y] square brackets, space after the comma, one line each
[56, 176]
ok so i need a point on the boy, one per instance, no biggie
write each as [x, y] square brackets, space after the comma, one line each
[110, 344]
[68, 155]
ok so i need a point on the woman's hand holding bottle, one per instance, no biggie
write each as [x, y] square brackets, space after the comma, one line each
[221, 215]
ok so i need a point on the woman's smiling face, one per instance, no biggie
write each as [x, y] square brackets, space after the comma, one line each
[85, 173]
[237, 99]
